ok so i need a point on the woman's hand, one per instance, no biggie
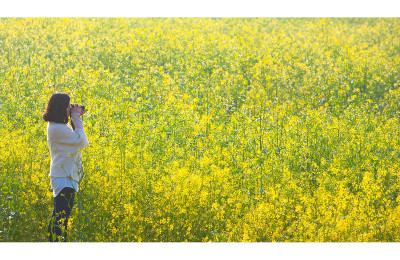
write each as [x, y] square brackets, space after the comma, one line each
[77, 109]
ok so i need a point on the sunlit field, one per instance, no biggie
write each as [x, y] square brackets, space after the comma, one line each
[207, 129]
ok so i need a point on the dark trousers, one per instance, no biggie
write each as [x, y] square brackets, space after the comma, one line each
[63, 203]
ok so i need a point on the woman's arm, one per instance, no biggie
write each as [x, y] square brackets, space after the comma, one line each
[62, 137]
[77, 120]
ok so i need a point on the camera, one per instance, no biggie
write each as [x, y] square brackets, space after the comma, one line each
[83, 107]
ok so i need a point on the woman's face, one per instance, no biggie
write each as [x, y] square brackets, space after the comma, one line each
[69, 109]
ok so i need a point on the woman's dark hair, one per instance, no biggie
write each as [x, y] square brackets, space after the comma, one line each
[56, 110]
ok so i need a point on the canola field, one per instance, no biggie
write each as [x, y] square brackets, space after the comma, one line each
[207, 129]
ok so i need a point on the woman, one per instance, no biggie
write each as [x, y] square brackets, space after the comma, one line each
[66, 169]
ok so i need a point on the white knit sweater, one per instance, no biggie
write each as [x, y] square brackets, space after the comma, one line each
[64, 146]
